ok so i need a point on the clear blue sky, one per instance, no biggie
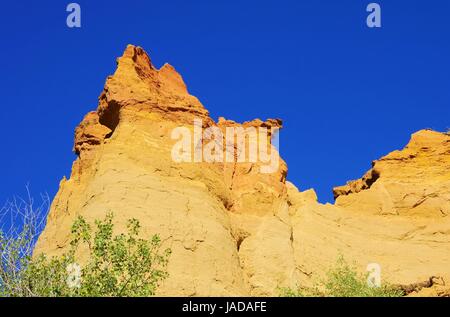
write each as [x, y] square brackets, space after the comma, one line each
[348, 94]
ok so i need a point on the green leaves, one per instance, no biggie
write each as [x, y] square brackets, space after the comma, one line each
[121, 265]
[343, 281]
[81, 232]
[118, 265]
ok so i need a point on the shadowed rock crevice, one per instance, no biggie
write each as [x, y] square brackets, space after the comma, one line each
[109, 116]
[356, 186]
[434, 283]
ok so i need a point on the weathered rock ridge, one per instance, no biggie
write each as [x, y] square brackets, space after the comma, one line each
[232, 229]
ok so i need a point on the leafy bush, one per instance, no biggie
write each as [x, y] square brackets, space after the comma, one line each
[343, 281]
[120, 265]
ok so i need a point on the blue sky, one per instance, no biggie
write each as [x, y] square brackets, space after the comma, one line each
[348, 94]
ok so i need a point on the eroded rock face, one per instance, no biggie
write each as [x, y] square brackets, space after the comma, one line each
[232, 229]
[414, 181]
[209, 214]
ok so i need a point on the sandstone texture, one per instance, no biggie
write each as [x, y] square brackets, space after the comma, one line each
[233, 230]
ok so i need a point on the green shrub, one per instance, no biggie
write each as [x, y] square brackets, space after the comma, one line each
[343, 281]
[117, 265]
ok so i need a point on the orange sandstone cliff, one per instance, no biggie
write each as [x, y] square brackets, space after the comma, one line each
[236, 231]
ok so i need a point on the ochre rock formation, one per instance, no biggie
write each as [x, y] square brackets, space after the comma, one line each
[411, 182]
[236, 231]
